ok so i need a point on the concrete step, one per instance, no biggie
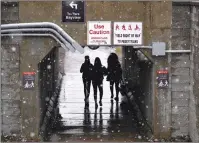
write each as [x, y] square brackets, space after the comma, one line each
[87, 130]
[98, 137]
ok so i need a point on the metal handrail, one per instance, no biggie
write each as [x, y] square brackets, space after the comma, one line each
[50, 25]
[12, 31]
[38, 34]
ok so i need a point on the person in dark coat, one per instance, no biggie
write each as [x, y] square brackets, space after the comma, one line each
[86, 70]
[114, 75]
[99, 71]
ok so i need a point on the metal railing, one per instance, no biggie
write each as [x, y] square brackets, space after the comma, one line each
[42, 27]
[50, 86]
[134, 107]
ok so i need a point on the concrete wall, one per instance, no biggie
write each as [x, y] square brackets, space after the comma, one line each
[185, 35]
[10, 78]
[180, 68]
[22, 106]
[150, 13]
[9, 12]
[194, 102]
[10, 85]
[156, 18]
[32, 51]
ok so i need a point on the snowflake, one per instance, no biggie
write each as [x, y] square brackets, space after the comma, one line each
[155, 140]
[32, 134]
[54, 138]
[49, 67]
[47, 99]
[24, 102]
[175, 109]
[13, 49]
[139, 137]
[177, 80]
[129, 93]
[23, 140]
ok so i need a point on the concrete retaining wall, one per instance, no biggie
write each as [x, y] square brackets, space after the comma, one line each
[185, 35]
[194, 102]
[180, 70]
[10, 78]
[10, 85]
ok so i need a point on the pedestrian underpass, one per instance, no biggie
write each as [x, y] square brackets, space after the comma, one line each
[129, 119]
[173, 109]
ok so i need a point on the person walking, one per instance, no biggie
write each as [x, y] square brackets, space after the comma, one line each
[99, 71]
[114, 74]
[86, 70]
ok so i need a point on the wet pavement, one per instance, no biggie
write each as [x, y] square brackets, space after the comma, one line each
[107, 123]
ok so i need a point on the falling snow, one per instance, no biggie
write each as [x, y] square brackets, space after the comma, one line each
[49, 67]
[32, 134]
[72, 77]
[14, 49]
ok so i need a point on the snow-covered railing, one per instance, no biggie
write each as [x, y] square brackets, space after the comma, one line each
[26, 29]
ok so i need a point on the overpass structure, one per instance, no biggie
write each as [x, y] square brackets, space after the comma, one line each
[27, 47]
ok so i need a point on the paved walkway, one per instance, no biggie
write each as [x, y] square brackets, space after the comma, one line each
[107, 123]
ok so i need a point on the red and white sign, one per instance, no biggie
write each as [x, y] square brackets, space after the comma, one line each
[127, 33]
[99, 33]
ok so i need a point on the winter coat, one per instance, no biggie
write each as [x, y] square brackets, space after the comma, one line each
[86, 69]
[99, 73]
[114, 73]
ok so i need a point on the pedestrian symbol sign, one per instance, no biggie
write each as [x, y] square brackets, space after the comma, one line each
[29, 80]
[162, 79]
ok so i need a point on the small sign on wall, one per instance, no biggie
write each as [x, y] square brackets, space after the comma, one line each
[127, 33]
[99, 33]
[29, 80]
[163, 78]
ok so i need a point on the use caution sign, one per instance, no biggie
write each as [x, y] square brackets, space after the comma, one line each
[99, 33]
